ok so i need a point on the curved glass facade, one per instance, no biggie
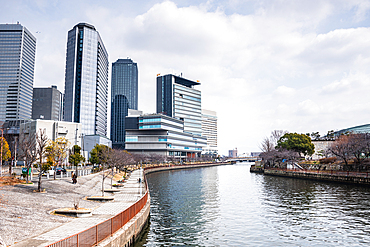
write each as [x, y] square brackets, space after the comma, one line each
[86, 80]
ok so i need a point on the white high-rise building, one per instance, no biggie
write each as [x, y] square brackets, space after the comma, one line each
[17, 63]
[177, 98]
[86, 80]
[209, 130]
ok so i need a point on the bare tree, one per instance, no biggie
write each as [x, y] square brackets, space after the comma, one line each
[172, 159]
[352, 146]
[342, 148]
[116, 159]
[27, 146]
[276, 135]
[267, 145]
[42, 141]
[156, 158]
[277, 158]
[139, 158]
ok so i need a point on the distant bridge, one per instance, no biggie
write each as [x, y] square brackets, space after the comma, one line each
[241, 159]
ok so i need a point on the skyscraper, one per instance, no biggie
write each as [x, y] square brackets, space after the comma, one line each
[47, 104]
[86, 80]
[209, 130]
[124, 96]
[177, 98]
[17, 63]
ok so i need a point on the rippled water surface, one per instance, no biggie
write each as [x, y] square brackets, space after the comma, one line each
[229, 206]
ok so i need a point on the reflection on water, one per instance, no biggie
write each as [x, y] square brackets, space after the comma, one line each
[228, 206]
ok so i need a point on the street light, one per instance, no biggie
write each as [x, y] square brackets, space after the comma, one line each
[1, 161]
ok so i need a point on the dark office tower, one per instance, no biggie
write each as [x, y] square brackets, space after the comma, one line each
[86, 80]
[47, 104]
[17, 63]
[124, 96]
[177, 98]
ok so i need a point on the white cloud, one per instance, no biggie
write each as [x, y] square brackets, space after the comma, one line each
[285, 91]
[263, 65]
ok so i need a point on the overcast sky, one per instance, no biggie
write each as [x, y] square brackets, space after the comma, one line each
[300, 66]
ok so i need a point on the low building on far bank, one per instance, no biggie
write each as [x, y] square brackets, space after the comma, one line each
[321, 148]
[233, 153]
[255, 154]
[162, 135]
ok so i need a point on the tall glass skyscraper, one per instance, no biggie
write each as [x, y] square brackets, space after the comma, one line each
[177, 98]
[124, 96]
[17, 63]
[86, 80]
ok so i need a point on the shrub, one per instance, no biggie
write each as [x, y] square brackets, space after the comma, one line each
[329, 160]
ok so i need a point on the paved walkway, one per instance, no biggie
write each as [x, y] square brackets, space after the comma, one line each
[87, 186]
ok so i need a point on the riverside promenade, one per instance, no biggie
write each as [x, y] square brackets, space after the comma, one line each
[27, 217]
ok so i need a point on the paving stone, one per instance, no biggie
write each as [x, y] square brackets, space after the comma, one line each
[25, 216]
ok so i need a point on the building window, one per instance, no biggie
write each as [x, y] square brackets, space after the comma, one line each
[132, 139]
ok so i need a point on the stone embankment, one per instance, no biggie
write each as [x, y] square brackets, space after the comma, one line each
[176, 167]
[328, 176]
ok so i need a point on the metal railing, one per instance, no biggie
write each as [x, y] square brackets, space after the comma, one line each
[327, 172]
[103, 230]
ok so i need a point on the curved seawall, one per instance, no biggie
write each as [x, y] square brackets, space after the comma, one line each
[176, 167]
[328, 176]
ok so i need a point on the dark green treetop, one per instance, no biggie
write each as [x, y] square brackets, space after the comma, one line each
[299, 143]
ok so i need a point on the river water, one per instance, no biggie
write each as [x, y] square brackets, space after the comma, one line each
[229, 206]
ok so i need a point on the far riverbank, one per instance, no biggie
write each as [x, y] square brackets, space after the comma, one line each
[327, 176]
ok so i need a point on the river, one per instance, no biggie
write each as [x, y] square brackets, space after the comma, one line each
[229, 206]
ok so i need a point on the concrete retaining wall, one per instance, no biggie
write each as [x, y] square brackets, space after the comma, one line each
[167, 168]
[319, 176]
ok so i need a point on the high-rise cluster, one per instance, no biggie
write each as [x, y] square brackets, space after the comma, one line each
[178, 129]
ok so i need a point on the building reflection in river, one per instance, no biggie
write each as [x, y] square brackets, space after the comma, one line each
[229, 206]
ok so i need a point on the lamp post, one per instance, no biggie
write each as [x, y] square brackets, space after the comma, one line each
[15, 154]
[76, 165]
[1, 161]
